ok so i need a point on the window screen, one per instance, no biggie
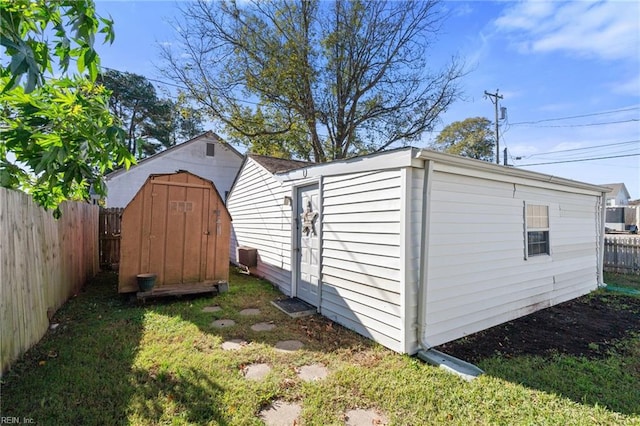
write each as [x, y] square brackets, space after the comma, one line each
[211, 150]
[537, 230]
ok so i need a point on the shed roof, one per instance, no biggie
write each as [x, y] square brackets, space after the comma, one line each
[279, 165]
[152, 176]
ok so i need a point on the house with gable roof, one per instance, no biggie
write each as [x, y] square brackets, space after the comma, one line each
[207, 156]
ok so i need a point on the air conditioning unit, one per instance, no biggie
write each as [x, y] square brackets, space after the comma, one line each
[247, 256]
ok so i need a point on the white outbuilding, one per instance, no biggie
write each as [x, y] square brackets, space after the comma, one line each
[414, 248]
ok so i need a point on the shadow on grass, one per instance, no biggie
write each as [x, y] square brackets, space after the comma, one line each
[84, 372]
[316, 332]
[587, 350]
[159, 395]
[612, 382]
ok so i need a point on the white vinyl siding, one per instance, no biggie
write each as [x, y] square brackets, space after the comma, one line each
[373, 246]
[477, 275]
[361, 264]
[261, 220]
[191, 156]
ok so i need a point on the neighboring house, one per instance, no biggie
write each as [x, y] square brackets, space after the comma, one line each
[414, 248]
[618, 196]
[207, 156]
[621, 214]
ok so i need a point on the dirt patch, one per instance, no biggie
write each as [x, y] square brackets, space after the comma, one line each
[588, 326]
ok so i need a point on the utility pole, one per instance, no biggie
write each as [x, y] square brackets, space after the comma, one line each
[495, 99]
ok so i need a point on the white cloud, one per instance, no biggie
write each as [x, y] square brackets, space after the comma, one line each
[630, 87]
[462, 9]
[557, 107]
[606, 30]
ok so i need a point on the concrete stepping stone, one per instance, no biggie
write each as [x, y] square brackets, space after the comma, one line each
[256, 371]
[281, 413]
[360, 417]
[211, 309]
[310, 373]
[250, 311]
[289, 345]
[233, 345]
[223, 323]
[263, 326]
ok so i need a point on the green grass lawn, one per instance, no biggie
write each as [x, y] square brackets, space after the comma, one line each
[621, 280]
[114, 362]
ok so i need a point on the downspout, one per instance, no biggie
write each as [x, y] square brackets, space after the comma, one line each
[320, 221]
[601, 227]
[424, 256]
[426, 352]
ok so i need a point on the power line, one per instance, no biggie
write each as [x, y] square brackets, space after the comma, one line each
[581, 125]
[582, 159]
[583, 149]
[576, 116]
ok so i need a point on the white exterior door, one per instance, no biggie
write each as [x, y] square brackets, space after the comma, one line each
[308, 244]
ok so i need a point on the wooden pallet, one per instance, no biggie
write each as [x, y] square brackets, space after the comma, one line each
[183, 289]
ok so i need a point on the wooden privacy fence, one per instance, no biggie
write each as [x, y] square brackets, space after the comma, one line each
[622, 255]
[109, 231]
[43, 262]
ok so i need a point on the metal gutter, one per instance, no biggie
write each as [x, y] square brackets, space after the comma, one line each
[472, 164]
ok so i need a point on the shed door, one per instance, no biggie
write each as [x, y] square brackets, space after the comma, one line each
[307, 235]
[182, 233]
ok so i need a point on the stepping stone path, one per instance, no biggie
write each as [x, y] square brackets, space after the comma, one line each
[233, 345]
[281, 413]
[289, 345]
[211, 309]
[263, 326]
[360, 417]
[223, 323]
[256, 371]
[250, 311]
[310, 373]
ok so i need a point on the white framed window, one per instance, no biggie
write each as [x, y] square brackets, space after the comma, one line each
[536, 223]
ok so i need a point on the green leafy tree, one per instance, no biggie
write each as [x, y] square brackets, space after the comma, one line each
[187, 121]
[58, 136]
[151, 123]
[353, 75]
[473, 138]
[294, 142]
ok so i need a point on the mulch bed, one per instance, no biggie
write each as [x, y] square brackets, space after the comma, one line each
[588, 326]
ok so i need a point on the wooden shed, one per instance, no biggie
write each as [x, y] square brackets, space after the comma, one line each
[177, 227]
[414, 248]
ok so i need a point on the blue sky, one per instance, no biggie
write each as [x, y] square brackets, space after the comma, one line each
[550, 60]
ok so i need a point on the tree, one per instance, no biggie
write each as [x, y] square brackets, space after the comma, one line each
[473, 138]
[353, 73]
[58, 135]
[293, 143]
[151, 123]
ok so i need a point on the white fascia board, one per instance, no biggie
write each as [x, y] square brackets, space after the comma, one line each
[483, 169]
[404, 157]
